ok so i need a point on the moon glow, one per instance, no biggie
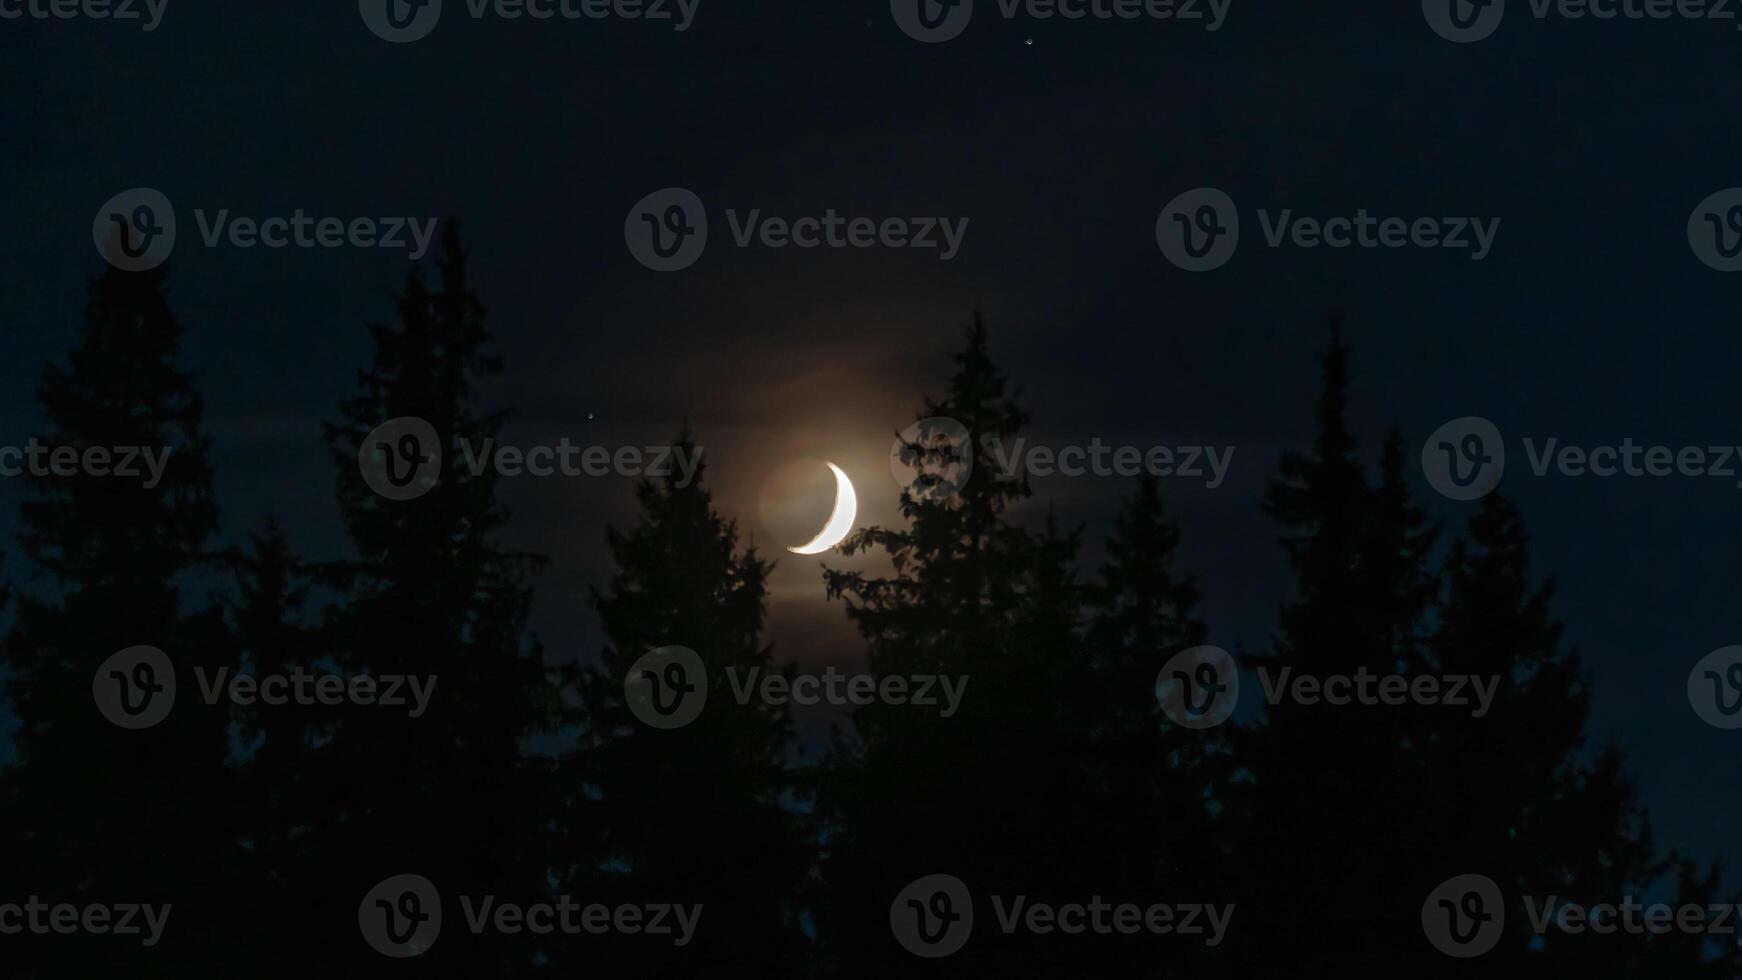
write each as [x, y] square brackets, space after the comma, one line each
[840, 521]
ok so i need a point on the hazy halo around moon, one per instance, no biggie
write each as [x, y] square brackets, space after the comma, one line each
[840, 521]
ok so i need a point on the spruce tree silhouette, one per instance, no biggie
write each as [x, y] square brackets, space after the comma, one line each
[1160, 794]
[102, 814]
[706, 813]
[286, 751]
[1359, 812]
[1516, 794]
[912, 796]
[1320, 885]
[449, 795]
[999, 795]
[1058, 779]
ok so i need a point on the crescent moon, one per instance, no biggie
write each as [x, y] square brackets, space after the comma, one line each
[840, 522]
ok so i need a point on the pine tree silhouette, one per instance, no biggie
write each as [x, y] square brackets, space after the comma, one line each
[1058, 779]
[1001, 794]
[286, 751]
[707, 813]
[103, 814]
[1517, 795]
[1359, 812]
[449, 795]
[1159, 812]
[1320, 893]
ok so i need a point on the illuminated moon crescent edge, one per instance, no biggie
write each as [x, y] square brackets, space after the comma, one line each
[840, 521]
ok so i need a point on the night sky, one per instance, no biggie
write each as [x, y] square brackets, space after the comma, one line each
[1591, 321]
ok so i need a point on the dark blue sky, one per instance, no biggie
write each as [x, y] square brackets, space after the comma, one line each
[1592, 321]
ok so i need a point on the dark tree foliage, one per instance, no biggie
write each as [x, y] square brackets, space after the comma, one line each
[1160, 817]
[1339, 773]
[1358, 812]
[1057, 780]
[285, 750]
[104, 814]
[451, 795]
[1515, 795]
[708, 813]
